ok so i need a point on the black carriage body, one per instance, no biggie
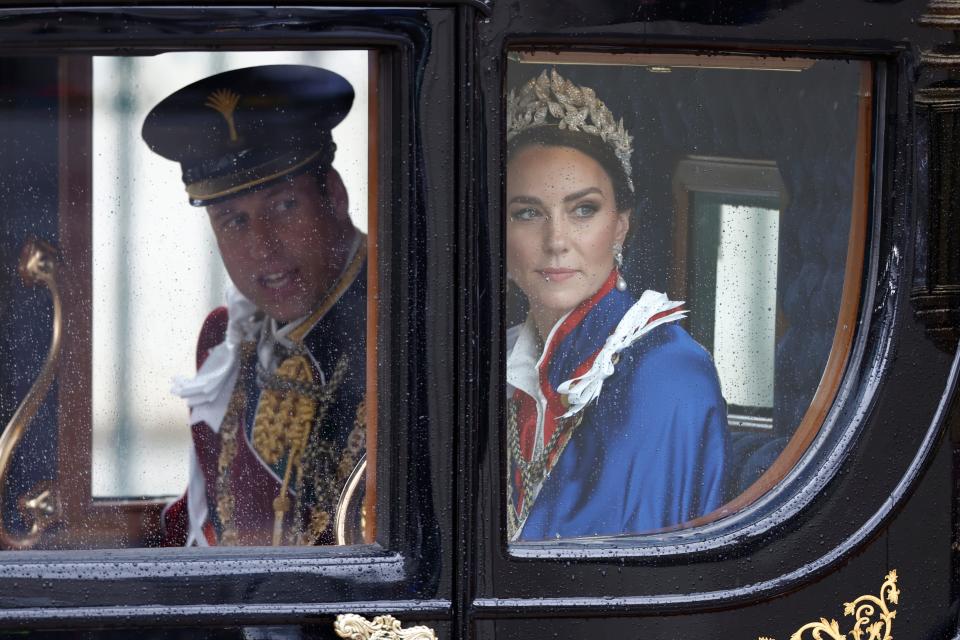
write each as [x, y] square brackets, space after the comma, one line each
[869, 508]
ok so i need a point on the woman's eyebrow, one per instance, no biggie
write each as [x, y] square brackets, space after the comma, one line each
[525, 200]
[583, 192]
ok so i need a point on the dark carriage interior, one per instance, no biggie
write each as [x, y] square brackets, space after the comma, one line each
[29, 188]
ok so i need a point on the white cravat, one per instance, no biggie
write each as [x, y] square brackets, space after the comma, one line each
[208, 393]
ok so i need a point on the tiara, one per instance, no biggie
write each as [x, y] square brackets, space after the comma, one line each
[555, 101]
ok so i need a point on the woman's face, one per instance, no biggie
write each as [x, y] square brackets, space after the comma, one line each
[562, 225]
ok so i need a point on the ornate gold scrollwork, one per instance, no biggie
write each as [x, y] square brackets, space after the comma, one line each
[874, 618]
[41, 508]
[354, 627]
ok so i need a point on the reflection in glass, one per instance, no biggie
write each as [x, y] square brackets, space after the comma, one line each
[746, 304]
[138, 439]
[733, 267]
[747, 204]
[277, 405]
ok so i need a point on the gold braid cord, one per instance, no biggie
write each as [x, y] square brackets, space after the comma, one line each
[302, 460]
[288, 421]
[874, 618]
[232, 424]
[354, 627]
[284, 417]
[328, 481]
[225, 500]
[297, 430]
[291, 411]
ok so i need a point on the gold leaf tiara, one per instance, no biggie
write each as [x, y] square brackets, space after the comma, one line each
[552, 100]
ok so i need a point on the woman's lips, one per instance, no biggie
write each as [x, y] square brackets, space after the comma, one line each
[557, 275]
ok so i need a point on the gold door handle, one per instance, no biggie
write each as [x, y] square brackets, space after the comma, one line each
[354, 627]
[39, 261]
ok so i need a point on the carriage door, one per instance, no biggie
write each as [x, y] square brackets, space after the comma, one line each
[791, 184]
[109, 275]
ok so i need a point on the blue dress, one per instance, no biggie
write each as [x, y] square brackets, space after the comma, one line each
[650, 452]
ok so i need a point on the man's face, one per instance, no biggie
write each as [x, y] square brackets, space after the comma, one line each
[285, 245]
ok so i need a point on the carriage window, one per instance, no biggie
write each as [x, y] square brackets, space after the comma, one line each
[731, 247]
[684, 239]
[195, 240]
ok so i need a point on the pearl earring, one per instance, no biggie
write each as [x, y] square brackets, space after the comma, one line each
[618, 258]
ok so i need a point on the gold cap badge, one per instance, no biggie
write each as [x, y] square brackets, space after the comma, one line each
[225, 101]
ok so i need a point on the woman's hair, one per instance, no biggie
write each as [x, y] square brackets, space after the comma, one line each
[586, 143]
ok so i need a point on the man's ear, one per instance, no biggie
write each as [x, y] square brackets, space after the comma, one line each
[337, 195]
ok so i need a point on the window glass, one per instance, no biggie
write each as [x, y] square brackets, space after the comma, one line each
[732, 267]
[138, 440]
[209, 214]
[684, 240]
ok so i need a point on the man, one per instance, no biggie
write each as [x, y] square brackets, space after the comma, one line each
[277, 404]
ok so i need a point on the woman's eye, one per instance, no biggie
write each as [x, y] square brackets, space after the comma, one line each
[585, 210]
[528, 213]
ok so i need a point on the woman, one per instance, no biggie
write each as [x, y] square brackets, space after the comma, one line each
[616, 423]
